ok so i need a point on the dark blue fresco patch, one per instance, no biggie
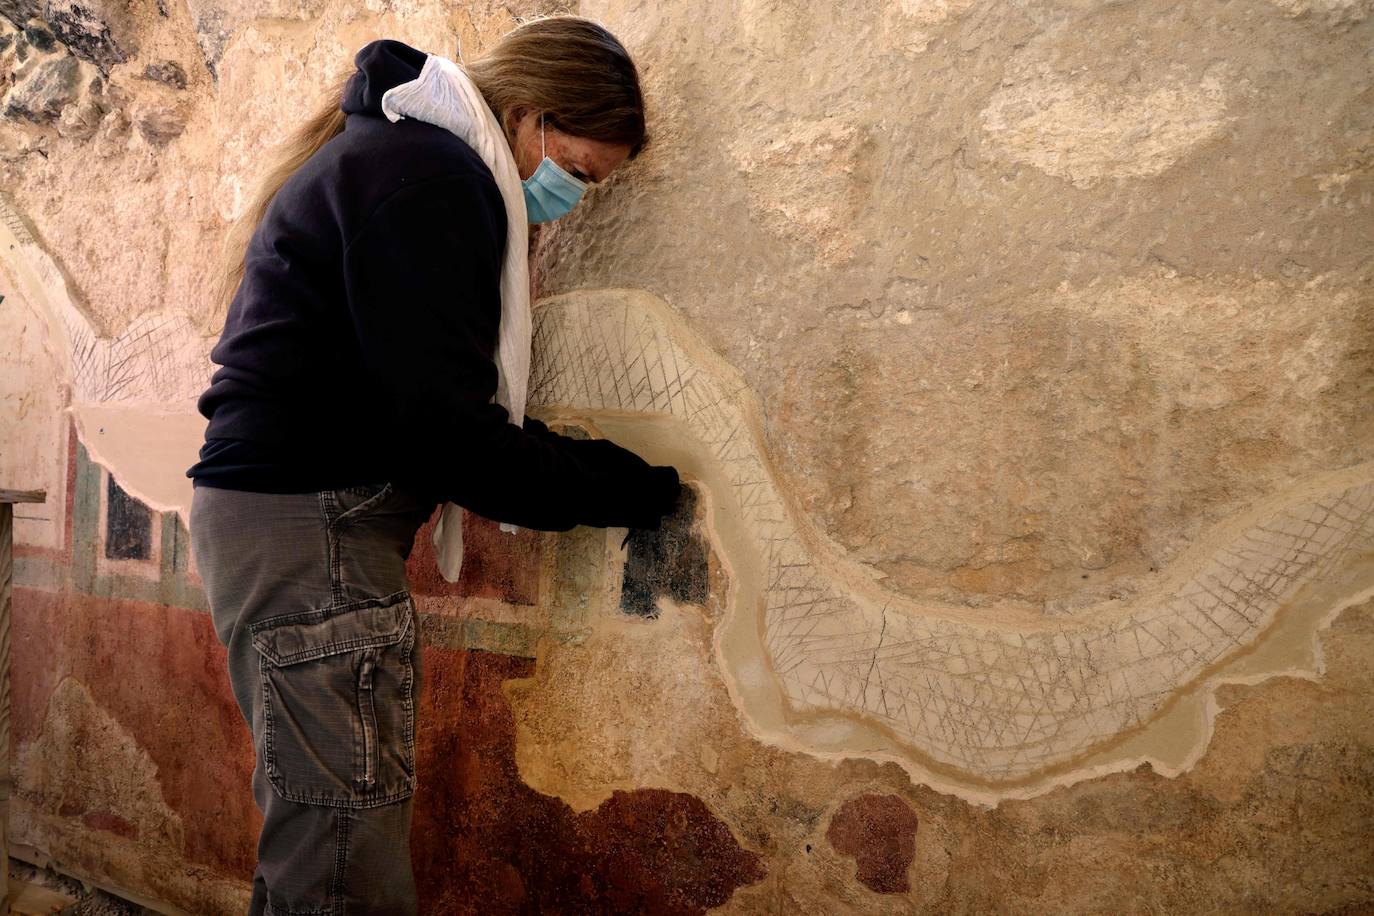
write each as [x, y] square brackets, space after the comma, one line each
[669, 560]
[128, 525]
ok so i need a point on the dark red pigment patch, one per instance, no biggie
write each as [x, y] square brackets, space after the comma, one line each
[484, 842]
[879, 831]
[160, 672]
[496, 564]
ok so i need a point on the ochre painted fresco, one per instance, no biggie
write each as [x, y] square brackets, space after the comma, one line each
[154, 694]
[485, 841]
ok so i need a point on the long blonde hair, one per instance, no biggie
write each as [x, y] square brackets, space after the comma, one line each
[569, 68]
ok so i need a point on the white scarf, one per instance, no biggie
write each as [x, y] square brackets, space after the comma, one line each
[443, 94]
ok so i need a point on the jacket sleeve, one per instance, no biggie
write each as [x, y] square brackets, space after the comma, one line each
[422, 280]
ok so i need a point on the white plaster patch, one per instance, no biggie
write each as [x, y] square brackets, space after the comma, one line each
[1071, 126]
[147, 447]
[808, 182]
[33, 446]
[1337, 13]
[911, 25]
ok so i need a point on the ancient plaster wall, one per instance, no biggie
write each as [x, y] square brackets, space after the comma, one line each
[1045, 298]
[1019, 356]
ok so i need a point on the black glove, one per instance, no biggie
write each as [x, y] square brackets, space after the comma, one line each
[657, 497]
[628, 490]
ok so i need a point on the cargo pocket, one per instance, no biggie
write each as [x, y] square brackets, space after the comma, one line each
[339, 716]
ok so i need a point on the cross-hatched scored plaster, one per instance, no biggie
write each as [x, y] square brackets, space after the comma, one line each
[133, 394]
[160, 356]
[995, 702]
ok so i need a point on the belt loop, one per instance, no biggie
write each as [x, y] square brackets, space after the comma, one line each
[329, 508]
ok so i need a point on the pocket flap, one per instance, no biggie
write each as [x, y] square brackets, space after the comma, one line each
[291, 638]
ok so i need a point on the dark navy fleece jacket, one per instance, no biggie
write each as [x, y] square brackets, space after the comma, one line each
[359, 345]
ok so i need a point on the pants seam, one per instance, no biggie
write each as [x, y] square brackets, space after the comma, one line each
[408, 691]
[336, 885]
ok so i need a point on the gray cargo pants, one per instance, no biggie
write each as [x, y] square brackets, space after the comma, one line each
[309, 594]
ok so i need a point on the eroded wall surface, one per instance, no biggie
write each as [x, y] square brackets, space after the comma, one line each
[1018, 355]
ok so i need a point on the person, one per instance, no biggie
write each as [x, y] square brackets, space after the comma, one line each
[355, 392]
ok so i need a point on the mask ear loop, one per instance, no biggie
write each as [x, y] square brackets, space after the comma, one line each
[542, 155]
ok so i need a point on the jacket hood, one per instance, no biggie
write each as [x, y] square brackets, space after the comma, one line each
[381, 64]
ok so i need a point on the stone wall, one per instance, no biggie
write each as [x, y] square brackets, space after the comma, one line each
[1019, 356]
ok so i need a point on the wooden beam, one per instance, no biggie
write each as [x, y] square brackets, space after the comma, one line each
[7, 500]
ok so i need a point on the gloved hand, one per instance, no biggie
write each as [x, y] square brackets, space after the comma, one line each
[635, 493]
[662, 500]
[657, 498]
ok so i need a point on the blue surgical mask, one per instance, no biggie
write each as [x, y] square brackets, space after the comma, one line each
[550, 192]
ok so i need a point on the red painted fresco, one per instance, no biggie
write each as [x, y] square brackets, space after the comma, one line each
[111, 823]
[879, 831]
[160, 672]
[496, 564]
[484, 842]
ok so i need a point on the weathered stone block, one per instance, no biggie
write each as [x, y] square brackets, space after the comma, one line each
[42, 89]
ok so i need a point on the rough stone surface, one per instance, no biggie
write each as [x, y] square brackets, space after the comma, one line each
[1041, 300]
[17, 11]
[169, 72]
[160, 124]
[42, 89]
[94, 30]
